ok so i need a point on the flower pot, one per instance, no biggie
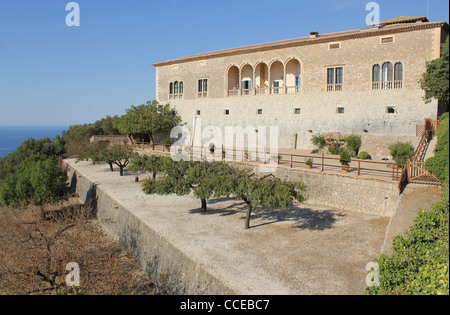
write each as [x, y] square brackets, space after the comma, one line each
[345, 168]
[309, 166]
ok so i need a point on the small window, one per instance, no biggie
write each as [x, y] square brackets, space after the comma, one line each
[341, 110]
[203, 88]
[334, 46]
[227, 112]
[297, 111]
[198, 113]
[260, 111]
[387, 40]
[391, 110]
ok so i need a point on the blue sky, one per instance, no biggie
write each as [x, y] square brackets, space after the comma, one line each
[52, 74]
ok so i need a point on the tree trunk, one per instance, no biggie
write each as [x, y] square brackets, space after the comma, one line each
[154, 175]
[111, 166]
[121, 170]
[248, 215]
[204, 205]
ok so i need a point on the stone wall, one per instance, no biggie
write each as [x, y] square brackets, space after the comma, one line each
[365, 110]
[175, 272]
[358, 194]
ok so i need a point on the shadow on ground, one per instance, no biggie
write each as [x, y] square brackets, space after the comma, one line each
[302, 216]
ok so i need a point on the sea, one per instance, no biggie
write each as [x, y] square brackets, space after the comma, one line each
[12, 137]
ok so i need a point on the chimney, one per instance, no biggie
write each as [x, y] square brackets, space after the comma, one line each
[314, 34]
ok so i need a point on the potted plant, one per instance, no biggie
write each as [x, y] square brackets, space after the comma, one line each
[309, 162]
[212, 148]
[167, 144]
[345, 159]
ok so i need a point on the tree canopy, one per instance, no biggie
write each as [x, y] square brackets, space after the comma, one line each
[435, 81]
[147, 119]
[218, 180]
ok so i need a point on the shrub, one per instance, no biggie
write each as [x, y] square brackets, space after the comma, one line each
[39, 180]
[345, 157]
[168, 143]
[353, 144]
[439, 164]
[401, 152]
[364, 155]
[319, 141]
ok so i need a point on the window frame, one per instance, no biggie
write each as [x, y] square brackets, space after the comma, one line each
[202, 88]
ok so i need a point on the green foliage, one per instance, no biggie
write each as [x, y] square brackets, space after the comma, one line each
[345, 158]
[353, 144]
[439, 164]
[147, 119]
[401, 152]
[335, 146]
[39, 180]
[76, 138]
[152, 164]
[319, 141]
[218, 180]
[12, 162]
[82, 133]
[435, 80]
[419, 264]
[119, 154]
[364, 155]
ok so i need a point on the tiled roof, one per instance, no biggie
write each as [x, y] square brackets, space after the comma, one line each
[404, 19]
[390, 28]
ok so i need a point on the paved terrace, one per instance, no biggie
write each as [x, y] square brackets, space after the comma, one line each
[304, 250]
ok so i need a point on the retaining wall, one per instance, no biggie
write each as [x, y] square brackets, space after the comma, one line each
[175, 272]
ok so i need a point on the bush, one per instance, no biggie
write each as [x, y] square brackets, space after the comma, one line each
[345, 158]
[420, 262]
[364, 156]
[319, 141]
[439, 164]
[39, 180]
[401, 152]
[353, 144]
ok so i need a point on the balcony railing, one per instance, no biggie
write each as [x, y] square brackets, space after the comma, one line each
[234, 92]
[175, 96]
[292, 90]
[277, 90]
[261, 91]
[387, 85]
[334, 87]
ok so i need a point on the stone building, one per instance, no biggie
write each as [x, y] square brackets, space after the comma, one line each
[363, 82]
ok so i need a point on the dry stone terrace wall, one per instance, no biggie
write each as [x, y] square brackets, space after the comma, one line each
[357, 194]
[176, 272]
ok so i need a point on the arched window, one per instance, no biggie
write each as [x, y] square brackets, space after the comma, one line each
[398, 72]
[181, 87]
[376, 73]
[388, 72]
[387, 75]
[175, 89]
[376, 77]
[171, 88]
